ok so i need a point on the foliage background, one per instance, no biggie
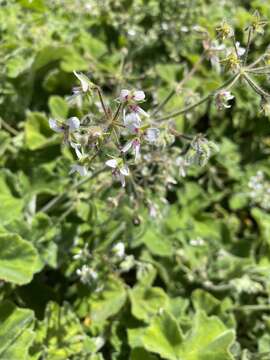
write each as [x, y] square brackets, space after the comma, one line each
[201, 290]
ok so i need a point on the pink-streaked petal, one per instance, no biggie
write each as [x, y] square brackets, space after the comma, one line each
[54, 126]
[132, 122]
[124, 94]
[112, 163]
[138, 95]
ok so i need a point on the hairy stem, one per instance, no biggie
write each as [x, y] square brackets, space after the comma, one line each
[102, 103]
[227, 84]
[256, 87]
[248, 45]
[9, 128]
[173, 91]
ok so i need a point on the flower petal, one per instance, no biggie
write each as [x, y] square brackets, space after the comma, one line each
[83, 80]
[111, 163]
[54, 126]
[73, 124]
[76, 148]
[124, 94]
[139, 95]
[124, 170]
[141, 111]
[127, 146]
[132, 122]
[152, 134]
[82, 170]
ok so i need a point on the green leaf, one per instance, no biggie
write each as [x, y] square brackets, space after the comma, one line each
[109, 301]
[141, 354]
[209, 339]
[19, 260]
[37, 131]
[58, 107]
[62, 333]
[11, 206]
[263, 220]
[16, 335]
[168, 72]
[157, 244]
[146, 302]
[163, 336]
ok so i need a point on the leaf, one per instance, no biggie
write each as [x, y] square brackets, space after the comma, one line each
[141, 354]
[163, 336]
[156, 243]
[146, 302]
[41, 233]
[11, 206]
[37, 131]
[19, 260]
[168, 72]
[209, 339]
[263, 220]
[62, 333]
[16, 335]
[109, 301]
[58, 107]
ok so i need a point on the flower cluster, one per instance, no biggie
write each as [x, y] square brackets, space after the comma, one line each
[145, 154]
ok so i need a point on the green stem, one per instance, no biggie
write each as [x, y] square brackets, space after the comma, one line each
[58, 198]
[226, 84]
[235, 47]
[248, 45]
[256, 87]
[102, 103]
[259, 70]
[256, 61]
[9, 128]
[173, 91]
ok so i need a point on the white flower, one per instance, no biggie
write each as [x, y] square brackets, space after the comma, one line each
[73, 124]
[124, 95]
[70, 126]
[135, 145]
[127, 95]
[152, 135]
[138, 95]
[120, 170]
[119, 249]
[80, 169]
[222, 97]
[240, 50]
[132, 122]
[86, 274]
